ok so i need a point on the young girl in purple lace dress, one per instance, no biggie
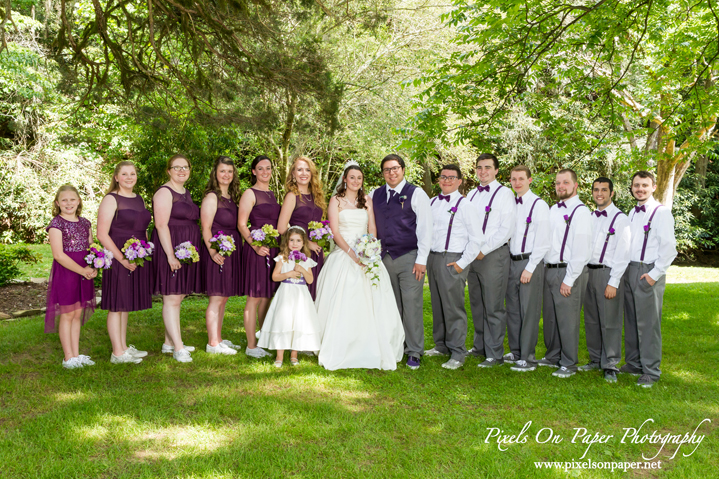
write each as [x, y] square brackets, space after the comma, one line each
[70, 292]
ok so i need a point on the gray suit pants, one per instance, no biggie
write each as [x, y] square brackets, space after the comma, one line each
[449, 318]
[524, 309]
[561, 317]
[643, 319]
[603, 320]
[408, 293]
[487, 287]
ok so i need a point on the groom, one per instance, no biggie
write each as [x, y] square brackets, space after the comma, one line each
[404, 225]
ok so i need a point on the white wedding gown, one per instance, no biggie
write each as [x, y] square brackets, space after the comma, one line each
[360, 324]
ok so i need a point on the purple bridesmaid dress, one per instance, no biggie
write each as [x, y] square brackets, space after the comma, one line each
[67, 291]
[183, 227]
[305, 211]
[256, 275]
[227, 280]
[123, 291]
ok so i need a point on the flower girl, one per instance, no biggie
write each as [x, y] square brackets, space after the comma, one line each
[70, 293]
[291, 321]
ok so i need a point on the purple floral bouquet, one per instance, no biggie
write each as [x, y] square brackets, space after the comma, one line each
[98, 257]
[321, 233]
[265, 236]
[224, 244]
[138, 251]
[297, 256]
[186, 253]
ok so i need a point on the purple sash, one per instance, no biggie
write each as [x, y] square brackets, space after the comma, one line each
[299, 281]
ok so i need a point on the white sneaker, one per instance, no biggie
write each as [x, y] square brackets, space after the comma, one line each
[220, 349]
[167, 348]
[125, 357]
[229, 344]
[434, 352]
[85, 360]
[182, 356]
[72, 363]
[452, 364]
[257, 352]
[134, 352]
[510, 358]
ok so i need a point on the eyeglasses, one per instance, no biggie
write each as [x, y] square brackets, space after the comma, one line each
[450, 178]
[180, 168]
[394, 169]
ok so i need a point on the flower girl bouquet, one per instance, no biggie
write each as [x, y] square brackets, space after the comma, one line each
[321, 233]
[98, 257]
[224, 244]
[297, 256]
[369, 252]
[265, 236]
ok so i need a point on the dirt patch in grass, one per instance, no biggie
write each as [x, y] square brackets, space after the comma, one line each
[22, 296]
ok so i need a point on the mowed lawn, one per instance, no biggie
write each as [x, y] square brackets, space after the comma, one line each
[241, 417]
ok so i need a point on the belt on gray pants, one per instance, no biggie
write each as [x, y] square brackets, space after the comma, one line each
[519, 257]
[555, 265]
[639, 263]
[597, 266]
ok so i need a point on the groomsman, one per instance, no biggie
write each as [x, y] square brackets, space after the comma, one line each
[489, 271]
[565, 279]
[404, 225]
[527, 247]
[456, 240]
[653, 248]
[604, 298]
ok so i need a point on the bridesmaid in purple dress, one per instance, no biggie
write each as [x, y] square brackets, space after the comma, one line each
[175, 222]
[125, 287]
[304, 202]
[258, 205]
[70, 292]
[220, 274]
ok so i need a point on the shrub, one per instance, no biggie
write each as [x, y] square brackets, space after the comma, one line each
[10, 256]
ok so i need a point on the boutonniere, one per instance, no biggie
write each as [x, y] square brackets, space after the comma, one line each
[611, 231]
[566, 219]
[402, 199]
[487, 209]
[529, 219]
[452, 210]
[647, 229]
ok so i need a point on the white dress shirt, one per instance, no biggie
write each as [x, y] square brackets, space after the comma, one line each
[578, 248]
[661, 244]
[616, 255]
[466, 236]
[538, 234]
[500, 223]
[423, 212]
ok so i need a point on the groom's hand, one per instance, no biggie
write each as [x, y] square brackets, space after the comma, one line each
[418, 271]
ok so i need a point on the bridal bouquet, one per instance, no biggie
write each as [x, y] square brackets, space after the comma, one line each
[98, 257]
[224, 244]
[369, 252]
[138, 251]
[321, 233]
[265, 236]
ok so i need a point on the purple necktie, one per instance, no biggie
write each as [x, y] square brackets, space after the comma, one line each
[600, 213]
[637, 209]
[561, 204]
[483, 188]
[445, 198]
[392, 194]
[518, 201]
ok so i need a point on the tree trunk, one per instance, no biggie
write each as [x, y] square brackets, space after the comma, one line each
[701, 168]
[284, 148]
[427, 178]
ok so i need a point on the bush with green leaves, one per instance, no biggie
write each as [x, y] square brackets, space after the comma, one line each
[10, 257]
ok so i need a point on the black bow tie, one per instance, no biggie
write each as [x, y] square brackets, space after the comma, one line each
[637, 209]
[600, 213]
[445, 198]
[518, 201]
[483, 188]
[561, 204]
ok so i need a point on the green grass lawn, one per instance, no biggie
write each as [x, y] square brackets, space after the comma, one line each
[240, 417]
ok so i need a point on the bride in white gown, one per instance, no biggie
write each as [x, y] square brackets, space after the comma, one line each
[361, 325]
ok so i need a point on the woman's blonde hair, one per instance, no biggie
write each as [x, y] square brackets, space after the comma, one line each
[315, 183]
[114, 186]
[56, 207]
[285, 242]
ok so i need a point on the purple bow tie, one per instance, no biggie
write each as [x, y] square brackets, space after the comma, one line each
[561, 204]
[518, 201]
[481, 188]
[445, 198]
[600, 213]
[637, 209]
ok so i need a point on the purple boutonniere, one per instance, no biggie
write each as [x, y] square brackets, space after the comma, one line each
[452, 210]
[487, 209]
[529, 219]
[566, 219]
[611, 231]
[402, 199]
[646, 229]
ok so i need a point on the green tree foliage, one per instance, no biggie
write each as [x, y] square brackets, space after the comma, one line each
[10, 256]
